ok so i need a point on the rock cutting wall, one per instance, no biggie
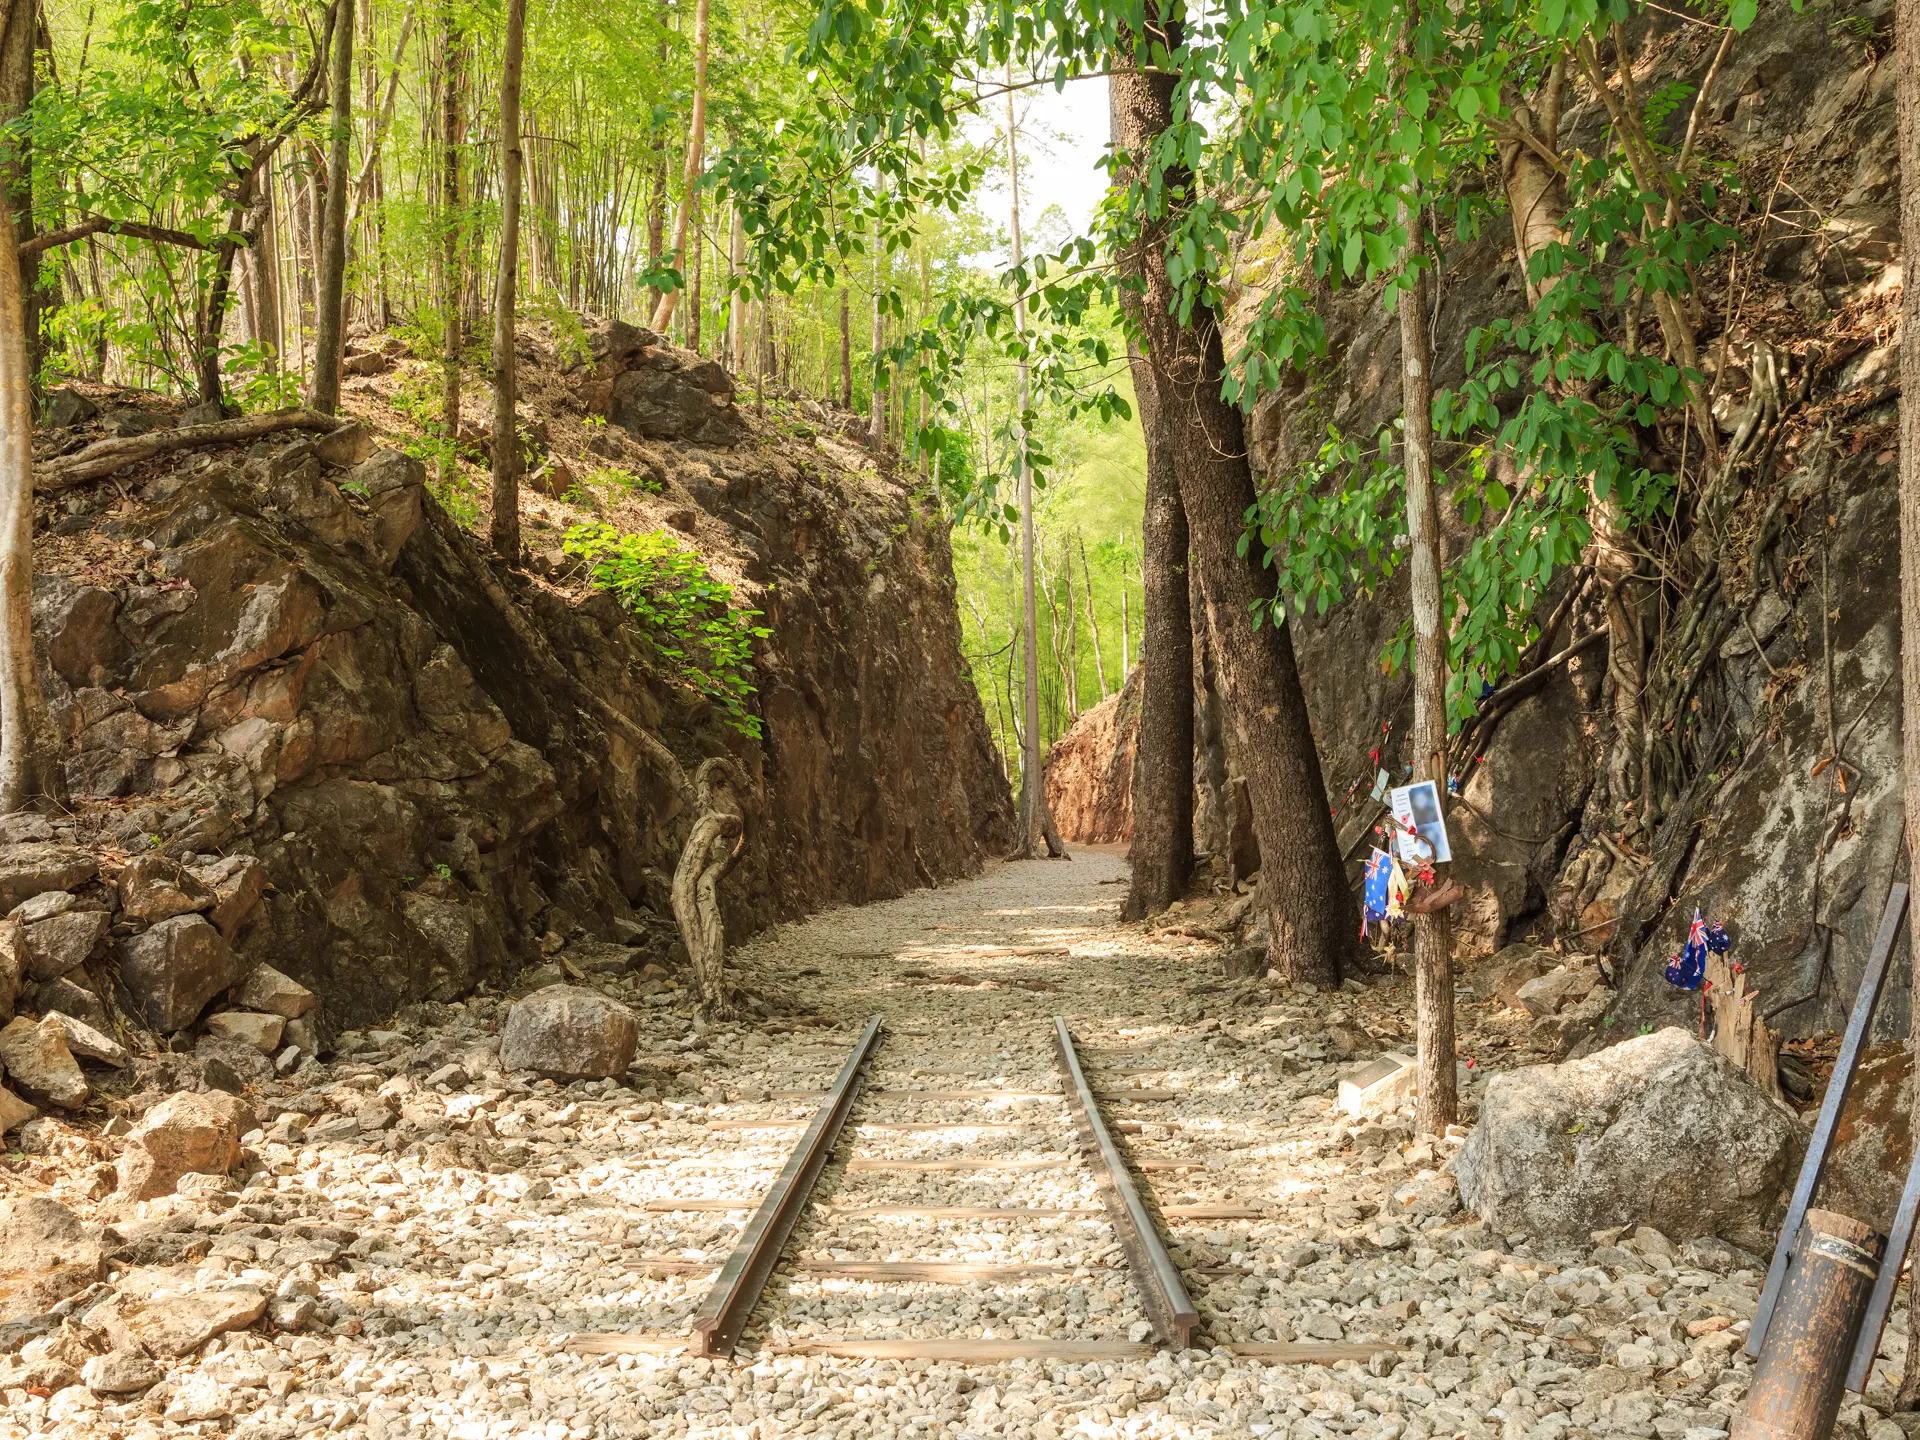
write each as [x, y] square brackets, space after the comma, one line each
[291, 663]
[1794, 863]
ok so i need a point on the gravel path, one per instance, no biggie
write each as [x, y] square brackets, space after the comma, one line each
[467, 1223]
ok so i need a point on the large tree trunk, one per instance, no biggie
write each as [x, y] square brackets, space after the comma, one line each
[1162, 852]
[30, 766]
[1309, 908]
[1437, 1105]
[696, 148]
[1907, 75]
[453, 139]
[504, 531]
[329, 337]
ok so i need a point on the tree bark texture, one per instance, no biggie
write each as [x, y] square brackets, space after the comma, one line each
[30, 766]
[1162, 851]
[1907, 77]
[1310, 911]
[508, 461]
[453, 139]
[330, 319]
[1437, 1105]
[690, 178]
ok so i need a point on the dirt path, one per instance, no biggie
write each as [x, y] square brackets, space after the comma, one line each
[474, 1223]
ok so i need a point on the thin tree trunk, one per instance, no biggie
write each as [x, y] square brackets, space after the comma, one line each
[1437, 1105]
[1126, 629]
[1161, 857]
[30, 765]
[1303, 880]
[696, 147]
[736, 300]
[1907, 77]
[877, 400]
[846, 350]
[699, 268]
[504, 531]
[1093, 618]
[1036, 817]
[330, 320]
[453, 139]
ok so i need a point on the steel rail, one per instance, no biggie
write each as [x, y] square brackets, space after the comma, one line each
[1163, 1295]
[723, 1314]
[1852, 1044]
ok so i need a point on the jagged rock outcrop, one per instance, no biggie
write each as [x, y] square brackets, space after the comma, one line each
[339, 740]
[1792, 856]
[1089, 770]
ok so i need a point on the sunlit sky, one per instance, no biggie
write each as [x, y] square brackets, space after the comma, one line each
[1062, 138]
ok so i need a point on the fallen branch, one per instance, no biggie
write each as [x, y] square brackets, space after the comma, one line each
[106, 456]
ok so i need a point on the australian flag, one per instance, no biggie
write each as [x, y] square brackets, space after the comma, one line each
[1689, 968]
[1373, 899]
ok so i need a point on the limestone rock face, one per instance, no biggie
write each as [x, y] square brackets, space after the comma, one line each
[1658, 1130]
[567, 1032]
[175, 968]
[1089, 770]
[36, 1059]
[185, 1134]
[45, 1255]
[33, 868]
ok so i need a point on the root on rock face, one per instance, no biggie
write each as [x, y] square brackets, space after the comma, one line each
[718, 839]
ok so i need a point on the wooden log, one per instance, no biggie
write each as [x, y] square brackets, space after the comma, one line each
[593, 1343]
[1287, 1354]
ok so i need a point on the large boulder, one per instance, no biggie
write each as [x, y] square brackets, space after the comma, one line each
[36, 1059]
[271, 992]
[569, 1033]
[185, 1134]
[62, 943]
[45, 1256]
[154, 887]
[1659, 1131]
[665, 401]
[174, 969]
[34, 867]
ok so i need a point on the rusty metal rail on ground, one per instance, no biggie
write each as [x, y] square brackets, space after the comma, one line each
[723, 1314]
[1163, 1295]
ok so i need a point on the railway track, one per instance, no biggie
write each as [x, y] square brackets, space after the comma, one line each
[1098, 1162]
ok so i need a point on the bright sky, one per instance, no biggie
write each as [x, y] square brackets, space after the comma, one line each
[1063, 134]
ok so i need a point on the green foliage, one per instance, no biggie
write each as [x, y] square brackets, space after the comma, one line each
[690, 615]
[257, 380]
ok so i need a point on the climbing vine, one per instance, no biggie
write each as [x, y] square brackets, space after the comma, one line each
[690, 615]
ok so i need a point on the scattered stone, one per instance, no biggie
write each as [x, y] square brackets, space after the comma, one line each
[1379, 1086]
[243, 1027]
[67, 406]
[44, 906]
[185, 1134]
[295, 1313]
[267, 990]
[123, 1372]
[63, 943]
[45, 1256]
[1547, 994]
[174, 969]
[31, 868]
[72, 999]
[349, 445]
[40, 1065]
[237, 883]
[1659, 1130]
[200, 1397]
[83, 1039]
[287, 1061]
[566, 1032]
[14, 1112]
[155, 887]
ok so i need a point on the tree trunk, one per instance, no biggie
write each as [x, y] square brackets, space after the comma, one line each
[1126, 621]
[1907, 77]
[1162, 854]
[696, 147]
[31, 771]
[698, 268]
[846, 351]
[453, 139]
[1093, 618]
[504, 532]
[1303, 881]
[736, 301]
[877, 400]
[16, 167]
[1436, 1106]
[329, 336]
[656, 217]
